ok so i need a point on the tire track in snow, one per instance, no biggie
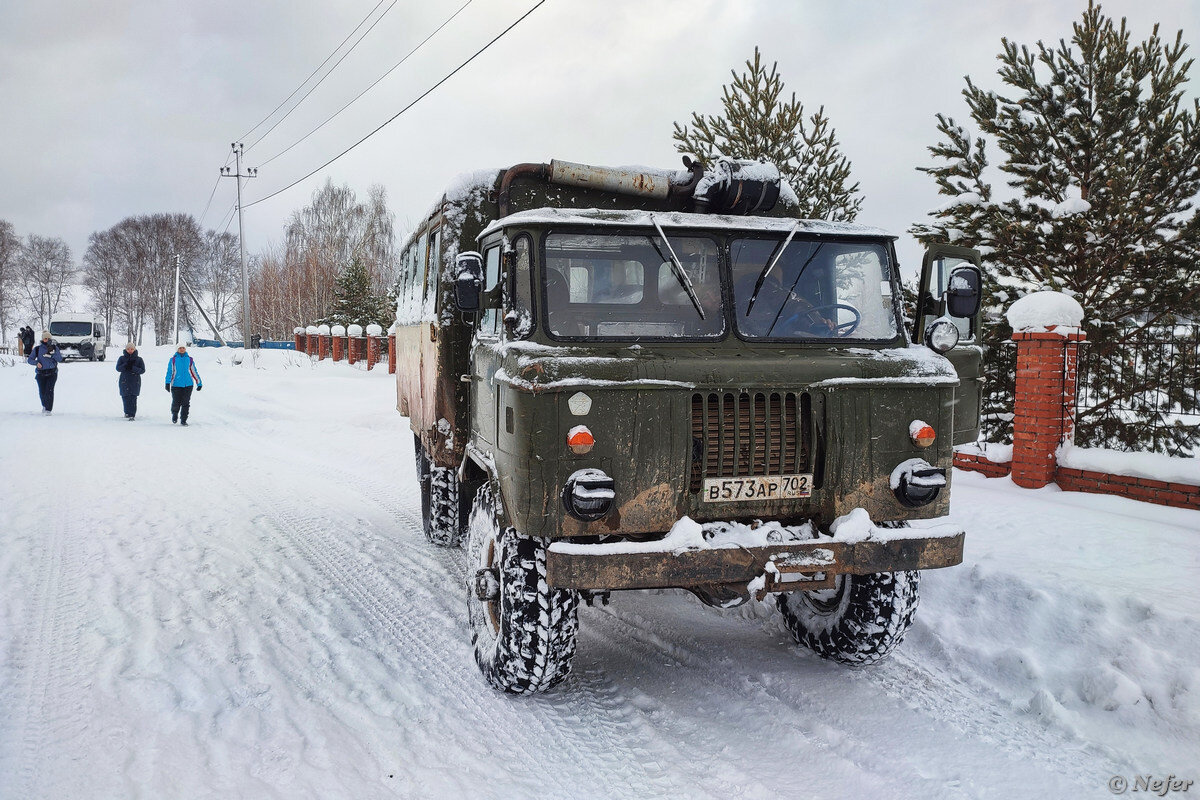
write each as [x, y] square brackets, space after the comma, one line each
[53, 711]
[570, 724]
[586, 715]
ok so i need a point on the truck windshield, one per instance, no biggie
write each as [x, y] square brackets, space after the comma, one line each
[814, 290]
[617, 286]
[70, 329]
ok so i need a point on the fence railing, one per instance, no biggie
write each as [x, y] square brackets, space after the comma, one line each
[1141, 388]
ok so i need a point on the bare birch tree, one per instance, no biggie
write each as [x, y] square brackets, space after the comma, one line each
[46, 269]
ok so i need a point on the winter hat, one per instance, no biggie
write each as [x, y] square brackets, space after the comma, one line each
[130, 345]
[45, 334]
[181, 345]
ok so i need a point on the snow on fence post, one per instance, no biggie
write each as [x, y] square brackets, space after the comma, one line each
[322, 342]
[1046, 329]
[309, 345]
[373, 334]
[298, 332]
[354, 332]
[338, 332]
[392, 349]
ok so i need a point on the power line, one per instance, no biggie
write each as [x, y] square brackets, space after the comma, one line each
[372, 86]
[391, 119]
[211, 195]
[314, 72]
[323, 77]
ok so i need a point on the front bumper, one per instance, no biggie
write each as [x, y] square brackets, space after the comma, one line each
[768, 567]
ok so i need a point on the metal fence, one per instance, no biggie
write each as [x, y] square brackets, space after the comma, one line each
[1141, 391]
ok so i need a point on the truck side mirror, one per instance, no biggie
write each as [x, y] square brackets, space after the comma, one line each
[963, 292]
[468, 281]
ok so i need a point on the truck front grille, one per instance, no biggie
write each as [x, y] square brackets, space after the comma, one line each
[759, 433]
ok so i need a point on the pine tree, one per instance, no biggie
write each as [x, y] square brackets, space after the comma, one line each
[355, 303]
[759, 124]
[1102, 161]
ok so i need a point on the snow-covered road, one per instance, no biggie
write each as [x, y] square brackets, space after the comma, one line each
[247, 608]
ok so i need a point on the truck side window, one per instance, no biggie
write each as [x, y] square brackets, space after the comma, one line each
[490, 323]
[520, 311]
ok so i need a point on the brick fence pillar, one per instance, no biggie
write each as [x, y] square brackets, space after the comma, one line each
[1044, 411]
[300, 341]
[392, 354]
[355, 350]
[310, 345]
[339, 347]
[322, 347]
[372, 351]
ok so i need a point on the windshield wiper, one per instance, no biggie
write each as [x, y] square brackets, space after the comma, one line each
[677, 267]
[775, 256]
[792, 288]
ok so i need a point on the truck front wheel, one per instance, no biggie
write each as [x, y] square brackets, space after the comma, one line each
[440, 513]
[860, 621]
[523, 631]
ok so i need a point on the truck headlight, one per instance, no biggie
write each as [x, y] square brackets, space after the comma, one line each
[588, 494]
[917, 483]
[942, 335]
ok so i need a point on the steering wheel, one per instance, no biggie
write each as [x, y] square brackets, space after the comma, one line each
[811, 320]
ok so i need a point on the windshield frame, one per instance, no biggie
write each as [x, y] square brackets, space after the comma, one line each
[820, 240]
[720, 244]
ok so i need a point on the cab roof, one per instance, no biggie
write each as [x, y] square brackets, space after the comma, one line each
[677, 219]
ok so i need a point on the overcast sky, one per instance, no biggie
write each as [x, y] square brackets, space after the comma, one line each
[113, 109]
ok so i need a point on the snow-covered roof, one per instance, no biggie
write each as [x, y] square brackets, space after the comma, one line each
[678, 219]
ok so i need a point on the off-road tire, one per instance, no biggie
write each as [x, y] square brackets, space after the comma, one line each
[859, 622]
[441, 515]
[524, 640]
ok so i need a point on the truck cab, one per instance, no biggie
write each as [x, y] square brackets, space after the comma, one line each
[79, 335]
[642, 379]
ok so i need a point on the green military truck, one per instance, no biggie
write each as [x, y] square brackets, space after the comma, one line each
[636, 378]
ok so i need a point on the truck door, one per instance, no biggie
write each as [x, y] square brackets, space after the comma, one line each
[947, 269]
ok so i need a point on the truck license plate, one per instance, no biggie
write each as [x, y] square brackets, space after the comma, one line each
[758, 487]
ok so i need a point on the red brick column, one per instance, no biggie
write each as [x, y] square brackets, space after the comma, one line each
[372, 351]
[300, 341]
[1044, 411]
[322, 347]
[392, 354]
[339, 347]
[310, 346]
[355, 349]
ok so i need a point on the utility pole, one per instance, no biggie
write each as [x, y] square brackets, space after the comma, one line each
[175, 319]
[251, 172]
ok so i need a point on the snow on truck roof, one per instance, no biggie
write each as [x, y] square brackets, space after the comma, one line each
[679, 219]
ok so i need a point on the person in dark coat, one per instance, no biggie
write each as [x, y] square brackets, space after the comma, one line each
[181, 377]
[131, 366]
[45, 359]
[27, 340]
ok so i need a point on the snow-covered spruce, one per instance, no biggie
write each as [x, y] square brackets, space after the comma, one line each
[440, 512]
[524, 636]
[860, 621]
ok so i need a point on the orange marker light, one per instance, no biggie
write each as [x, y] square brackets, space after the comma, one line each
[580, 440]
[921, 433]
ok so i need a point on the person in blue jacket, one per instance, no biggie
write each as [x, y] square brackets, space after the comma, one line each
[131, 366]
[181, 377]
[45, 359]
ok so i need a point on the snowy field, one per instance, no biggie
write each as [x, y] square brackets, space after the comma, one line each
[246, 608]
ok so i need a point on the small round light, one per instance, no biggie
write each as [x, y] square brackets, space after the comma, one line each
[580, 440]
[942, 335]
[921, 433]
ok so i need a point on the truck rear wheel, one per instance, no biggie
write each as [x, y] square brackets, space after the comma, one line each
[522, 630]
[441, 516]
[860, 621]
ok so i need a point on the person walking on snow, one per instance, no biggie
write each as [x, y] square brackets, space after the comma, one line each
[131, 366]
[27, 340]
[45, 359]
[181, 375]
